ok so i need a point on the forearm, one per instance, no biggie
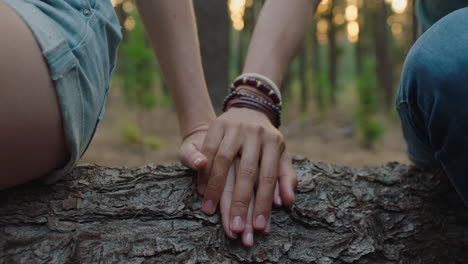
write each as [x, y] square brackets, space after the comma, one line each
[171, 28]
[278, 36]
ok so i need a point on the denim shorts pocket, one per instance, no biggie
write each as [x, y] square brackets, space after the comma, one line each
[69, 96]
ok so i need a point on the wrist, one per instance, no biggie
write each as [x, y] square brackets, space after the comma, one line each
[242, 100]
[196, 123]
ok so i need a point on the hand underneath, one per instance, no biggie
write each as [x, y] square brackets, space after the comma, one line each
[241, 151]
[251, 136]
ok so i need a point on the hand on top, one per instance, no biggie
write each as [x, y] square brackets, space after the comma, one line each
[246, 192]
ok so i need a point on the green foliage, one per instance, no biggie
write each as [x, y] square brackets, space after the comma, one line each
[152, 142]
[132, 135]
[370, 129]
[137, 68]
[323, 92]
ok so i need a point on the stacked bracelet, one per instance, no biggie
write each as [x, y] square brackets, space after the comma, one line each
[262, 83]
[236, 99]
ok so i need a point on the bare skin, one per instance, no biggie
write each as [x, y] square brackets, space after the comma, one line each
[31, 126]
[30, 120]
[238, 132]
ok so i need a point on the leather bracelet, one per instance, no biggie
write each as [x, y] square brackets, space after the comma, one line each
[238, 94]
[243, 102]
[260, 82]
[236, 99]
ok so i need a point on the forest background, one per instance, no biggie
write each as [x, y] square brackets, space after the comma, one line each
[339, 92]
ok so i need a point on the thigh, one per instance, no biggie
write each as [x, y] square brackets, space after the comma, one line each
[32, 142]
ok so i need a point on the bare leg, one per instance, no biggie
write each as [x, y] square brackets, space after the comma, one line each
[31, 134]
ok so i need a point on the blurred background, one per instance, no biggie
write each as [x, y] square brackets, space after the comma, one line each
[339, 91]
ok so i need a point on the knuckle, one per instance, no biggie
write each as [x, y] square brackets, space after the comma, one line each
[213, 188]
[276, 138]
[269, 178]
[226, 123]
[248, 171]
[209, 149]
[223, 158]
[249, 127]
[215, 125]
[260, 130]
[228, 190]
[240, 205]
[282, 145]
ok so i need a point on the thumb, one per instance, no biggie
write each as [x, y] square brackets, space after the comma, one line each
[191, 157]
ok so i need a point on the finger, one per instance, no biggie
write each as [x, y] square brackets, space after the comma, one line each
[287, 179]
[223, 160]
[226, 198]
[209, 148]
[245, 180]
[267, 182]
[248, 234]
[268, 226]
[191, 157]
[277, 198]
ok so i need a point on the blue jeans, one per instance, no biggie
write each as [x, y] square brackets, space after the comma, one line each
[433, 99]
[79, 41]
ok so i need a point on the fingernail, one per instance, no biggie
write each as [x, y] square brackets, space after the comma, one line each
[249, 239]
[202, 189]
[197, 161]
[260, 222]
[237, 224]
[208, 207]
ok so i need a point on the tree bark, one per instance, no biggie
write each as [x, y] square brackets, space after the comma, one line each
[213, 31]
[151, 214]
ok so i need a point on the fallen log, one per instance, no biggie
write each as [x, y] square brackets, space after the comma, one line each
[151, 214]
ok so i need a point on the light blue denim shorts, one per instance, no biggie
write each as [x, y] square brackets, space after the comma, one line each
[79, 41]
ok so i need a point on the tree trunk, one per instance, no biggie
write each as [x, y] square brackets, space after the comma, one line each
[316, 68]
[304, 101]
[332, 55]
[151, 214]
[383, 54]
[213, 32]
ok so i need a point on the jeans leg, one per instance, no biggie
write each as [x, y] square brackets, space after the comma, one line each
[418, 147]
[433, 99]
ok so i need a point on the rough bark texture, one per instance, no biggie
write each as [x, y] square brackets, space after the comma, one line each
[388, 214]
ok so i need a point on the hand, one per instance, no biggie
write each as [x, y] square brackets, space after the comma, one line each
[250, 134]
[190, 156]
[225, 205]
[189, 152]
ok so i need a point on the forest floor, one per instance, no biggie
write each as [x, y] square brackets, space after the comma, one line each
[333, 141]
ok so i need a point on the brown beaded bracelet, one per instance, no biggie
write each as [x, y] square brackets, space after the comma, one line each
[236, 99]
[264, 88]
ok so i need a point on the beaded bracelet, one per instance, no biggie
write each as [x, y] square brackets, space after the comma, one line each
[271, 110]
[260, 82]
